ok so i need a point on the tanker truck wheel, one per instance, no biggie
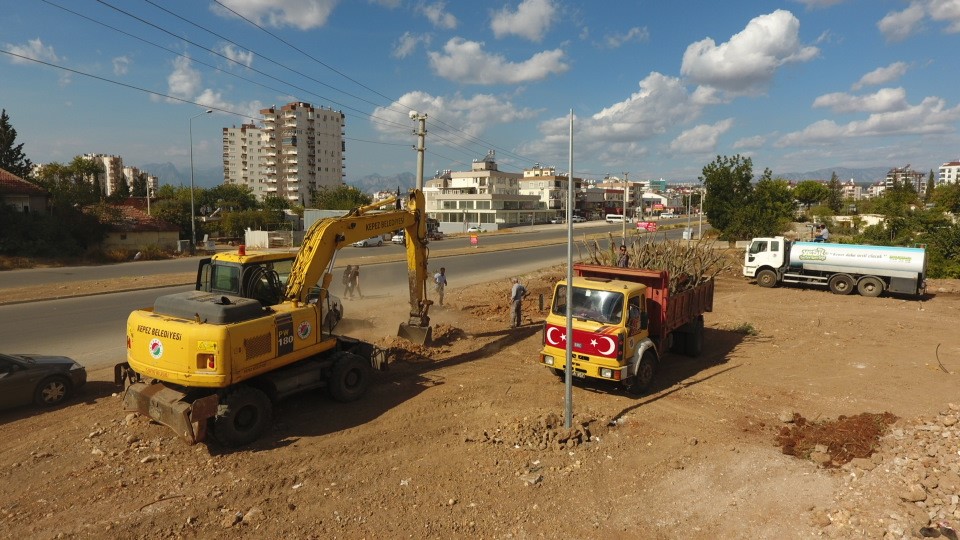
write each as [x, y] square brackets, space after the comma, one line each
[841, 284]
[242, 416]
[640, 382]
[767, 278]
[870, 287]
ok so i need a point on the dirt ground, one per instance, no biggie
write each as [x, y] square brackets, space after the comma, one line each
[808, 415]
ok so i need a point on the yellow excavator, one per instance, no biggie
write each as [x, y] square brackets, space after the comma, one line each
[258, 328]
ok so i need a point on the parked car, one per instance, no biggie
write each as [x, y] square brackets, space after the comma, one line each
[578, 219]
[399, 238]
[367, 242]
[44, 380]
[475, 229]
[557, 220]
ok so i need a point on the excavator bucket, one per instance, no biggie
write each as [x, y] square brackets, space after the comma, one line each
[415, 333]
[171, 408]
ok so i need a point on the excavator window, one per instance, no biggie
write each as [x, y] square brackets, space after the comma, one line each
[226, 279]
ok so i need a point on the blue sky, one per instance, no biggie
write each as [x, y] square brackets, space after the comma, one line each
[657, 89]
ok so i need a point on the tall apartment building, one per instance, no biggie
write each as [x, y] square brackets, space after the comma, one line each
[298, 147]
[243, 147]
[112, 173]
[906, 175]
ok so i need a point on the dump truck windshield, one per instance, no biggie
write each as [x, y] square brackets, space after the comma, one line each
[604, 307]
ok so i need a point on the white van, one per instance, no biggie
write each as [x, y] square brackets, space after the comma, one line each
[667, 215]
[615, 218]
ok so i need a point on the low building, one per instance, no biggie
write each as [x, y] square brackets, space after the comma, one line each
[483, 196]
[129, 227]
[22, 195]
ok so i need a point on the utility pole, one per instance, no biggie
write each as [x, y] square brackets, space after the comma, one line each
[421, 134]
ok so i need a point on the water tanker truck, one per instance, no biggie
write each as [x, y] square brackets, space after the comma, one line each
[844, 268]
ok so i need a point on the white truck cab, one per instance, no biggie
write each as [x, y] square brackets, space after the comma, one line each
[763, 252]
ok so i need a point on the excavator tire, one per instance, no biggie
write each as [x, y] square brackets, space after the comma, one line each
[242, 416]
[349, 378]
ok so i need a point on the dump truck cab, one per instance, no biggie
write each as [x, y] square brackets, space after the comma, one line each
[610, 331]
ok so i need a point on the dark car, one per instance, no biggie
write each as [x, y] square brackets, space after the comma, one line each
[44, 380]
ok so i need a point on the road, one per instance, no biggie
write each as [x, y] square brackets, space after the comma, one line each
[91, 329]
[537, 233]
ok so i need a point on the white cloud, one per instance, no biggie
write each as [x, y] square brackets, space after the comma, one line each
[408, 43]
[184, 81]
[882, 75]
[237, 55]
[636, 33]
[929, 117]
[35, 49]
[883, 100]
[813, 4]
[531, 20]
[476, 113]
[466, 62]
[301, 14]
[618, 130]
[701, 139]
[750, 142]
[437, 15]
[946, 11]
[121, 65]
[899, 25]
[748, 61]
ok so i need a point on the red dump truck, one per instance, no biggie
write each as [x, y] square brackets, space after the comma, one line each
[624, 321]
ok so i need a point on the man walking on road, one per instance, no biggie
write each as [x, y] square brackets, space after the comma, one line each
[440, 283]
[517, 293]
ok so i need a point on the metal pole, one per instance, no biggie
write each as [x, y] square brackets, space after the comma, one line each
[626, 195]
[700, 221]
[148, 200]
[421, 145]
[193, 214]
[689, 229]
[568, 369]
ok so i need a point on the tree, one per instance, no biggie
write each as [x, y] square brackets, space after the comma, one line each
[342, 197]
[931, 184]
[12, 158]
[122, 192]
[947, 198]
[810, 192]
[768, 211]
[140, 185]
[727, 182]
[835, 194]
[71, 186]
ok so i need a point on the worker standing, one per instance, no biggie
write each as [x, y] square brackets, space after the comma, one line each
[440, 283]
[517, 293]
[623, 260]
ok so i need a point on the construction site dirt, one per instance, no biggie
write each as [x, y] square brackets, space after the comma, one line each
[808, 415]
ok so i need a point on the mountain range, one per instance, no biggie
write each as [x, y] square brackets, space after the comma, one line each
[208, 177]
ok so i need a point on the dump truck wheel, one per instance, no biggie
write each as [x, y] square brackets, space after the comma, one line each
[51, 391]
[694, 338]
[841, 284]
[242, 416]
[767, 278]
[640, 382]
[870, 286]
[349, 378]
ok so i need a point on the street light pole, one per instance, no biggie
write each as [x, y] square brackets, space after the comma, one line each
[626, 195]
[193, 214]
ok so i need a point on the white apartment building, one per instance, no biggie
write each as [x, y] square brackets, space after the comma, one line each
[112, 173]
[949, 173]
[243, 148]
[483, 196]
[906, 175]
[298, 148]
[130, 174]
[549, 187]
[851, 190]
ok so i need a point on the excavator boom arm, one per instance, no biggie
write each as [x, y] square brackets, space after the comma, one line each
[327, 236]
